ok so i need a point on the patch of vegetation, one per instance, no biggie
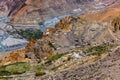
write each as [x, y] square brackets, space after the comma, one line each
[39, 73]
[97, 50]
[3, 78]
[17, 68]
[4, 73]
[54, 57]
[113, 45]
[40, 67]
[29, 34]
[39, 70]
[51, 45]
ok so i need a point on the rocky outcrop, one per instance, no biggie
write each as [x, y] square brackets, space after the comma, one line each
[116, 24]
[37, 50]
[14, 57]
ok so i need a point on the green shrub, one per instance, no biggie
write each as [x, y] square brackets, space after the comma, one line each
[3, 78]
[40, 67]
[97, 50]
[17, 68]
[39, 73]
[2, 68]
[28, 34]
[54, 57]
[5, 73]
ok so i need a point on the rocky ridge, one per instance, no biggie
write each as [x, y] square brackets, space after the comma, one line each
[33, 12]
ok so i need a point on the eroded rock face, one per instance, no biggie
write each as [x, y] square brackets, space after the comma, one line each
[10, 7]
[39, 49]
[15, 56]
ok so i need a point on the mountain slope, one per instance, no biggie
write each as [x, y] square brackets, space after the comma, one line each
[69, 34]
[40, 10]
[103, 69]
